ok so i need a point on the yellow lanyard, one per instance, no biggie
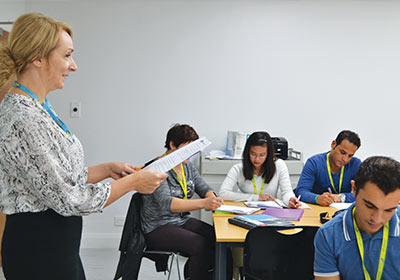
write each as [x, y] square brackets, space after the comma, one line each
[182, 181]
[330, 175]
[382, 256]
[254, 185]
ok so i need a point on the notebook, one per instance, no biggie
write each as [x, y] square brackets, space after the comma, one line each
[287, 214]
[277, 203]
[263, 204]
[257, 220]
[237, 209]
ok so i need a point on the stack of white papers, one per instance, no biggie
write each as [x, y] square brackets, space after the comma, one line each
[216, 154]
[237, 209]
[272, 204]
[263, 204]
[168, 162]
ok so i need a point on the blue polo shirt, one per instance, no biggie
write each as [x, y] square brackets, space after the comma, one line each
[336, 250]
[314, 178]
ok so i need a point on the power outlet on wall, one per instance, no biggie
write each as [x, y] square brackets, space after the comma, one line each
[75, 109]
[119, 221]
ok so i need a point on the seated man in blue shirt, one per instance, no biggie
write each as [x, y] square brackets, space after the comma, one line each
[363, 242]
[326, 177]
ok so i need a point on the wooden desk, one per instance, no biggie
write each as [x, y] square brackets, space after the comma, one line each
[228, 235]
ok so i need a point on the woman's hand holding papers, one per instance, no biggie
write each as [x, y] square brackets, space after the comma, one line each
[120, 169]
[146, 181]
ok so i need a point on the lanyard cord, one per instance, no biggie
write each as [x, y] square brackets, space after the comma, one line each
[182, 181]
[262, 185]
[330, 175]
[382, 256]
[46, 105]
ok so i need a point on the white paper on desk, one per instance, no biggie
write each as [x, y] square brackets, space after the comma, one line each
[237, 209]
[272, 204]
[340, 205]
[304, 206]
[263, 204]
[168, 162]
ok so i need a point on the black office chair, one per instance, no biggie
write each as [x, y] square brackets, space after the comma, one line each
[133, 247]
[270, 255]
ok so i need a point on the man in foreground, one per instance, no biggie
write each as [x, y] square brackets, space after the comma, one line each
[363, 242]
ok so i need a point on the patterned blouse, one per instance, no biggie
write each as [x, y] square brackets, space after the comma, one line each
[41, 167]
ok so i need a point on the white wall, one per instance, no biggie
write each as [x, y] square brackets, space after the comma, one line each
[300, 69]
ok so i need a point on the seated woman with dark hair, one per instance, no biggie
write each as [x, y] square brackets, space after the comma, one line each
[260, 176]
[165, 213]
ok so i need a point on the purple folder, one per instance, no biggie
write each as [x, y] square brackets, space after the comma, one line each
[287, 214]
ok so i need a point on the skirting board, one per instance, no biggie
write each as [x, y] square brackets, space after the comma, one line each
[97, 240]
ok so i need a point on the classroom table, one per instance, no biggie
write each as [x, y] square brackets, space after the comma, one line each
[228, 235]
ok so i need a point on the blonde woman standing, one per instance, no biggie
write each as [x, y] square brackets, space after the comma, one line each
[45, 187]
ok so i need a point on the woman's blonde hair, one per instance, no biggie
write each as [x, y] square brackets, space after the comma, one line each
[33, 36]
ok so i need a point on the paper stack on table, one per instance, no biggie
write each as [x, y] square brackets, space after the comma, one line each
[237, 209]
[277, 203]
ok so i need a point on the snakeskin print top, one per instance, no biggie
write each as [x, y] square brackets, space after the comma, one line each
[41, 167]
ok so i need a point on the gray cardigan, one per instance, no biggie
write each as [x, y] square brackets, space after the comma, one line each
[156, 207]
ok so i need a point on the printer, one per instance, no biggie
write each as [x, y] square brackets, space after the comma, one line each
[281, 147]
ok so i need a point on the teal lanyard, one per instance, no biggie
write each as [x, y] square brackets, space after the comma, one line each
[46, 105]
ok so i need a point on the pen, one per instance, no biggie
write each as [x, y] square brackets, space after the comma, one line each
[280, 204]
[215, 194]
[297, 200]
[329, 190]
[147, 163]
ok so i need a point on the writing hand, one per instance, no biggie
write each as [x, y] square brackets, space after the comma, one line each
[212, 202]
[294, 202]
[265, 197]
[325, 199]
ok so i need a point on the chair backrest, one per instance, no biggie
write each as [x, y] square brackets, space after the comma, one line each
[132, 242]
[269, 254]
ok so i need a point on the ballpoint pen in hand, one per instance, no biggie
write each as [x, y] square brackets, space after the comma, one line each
[297, 200]
[147, 163]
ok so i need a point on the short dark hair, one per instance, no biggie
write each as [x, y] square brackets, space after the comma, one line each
[180, 133]
[382, 171]
[259, 138]
[350, 136]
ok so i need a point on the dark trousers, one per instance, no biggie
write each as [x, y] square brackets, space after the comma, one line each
[195, 240]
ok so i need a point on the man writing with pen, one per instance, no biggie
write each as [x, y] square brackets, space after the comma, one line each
[326, 177]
